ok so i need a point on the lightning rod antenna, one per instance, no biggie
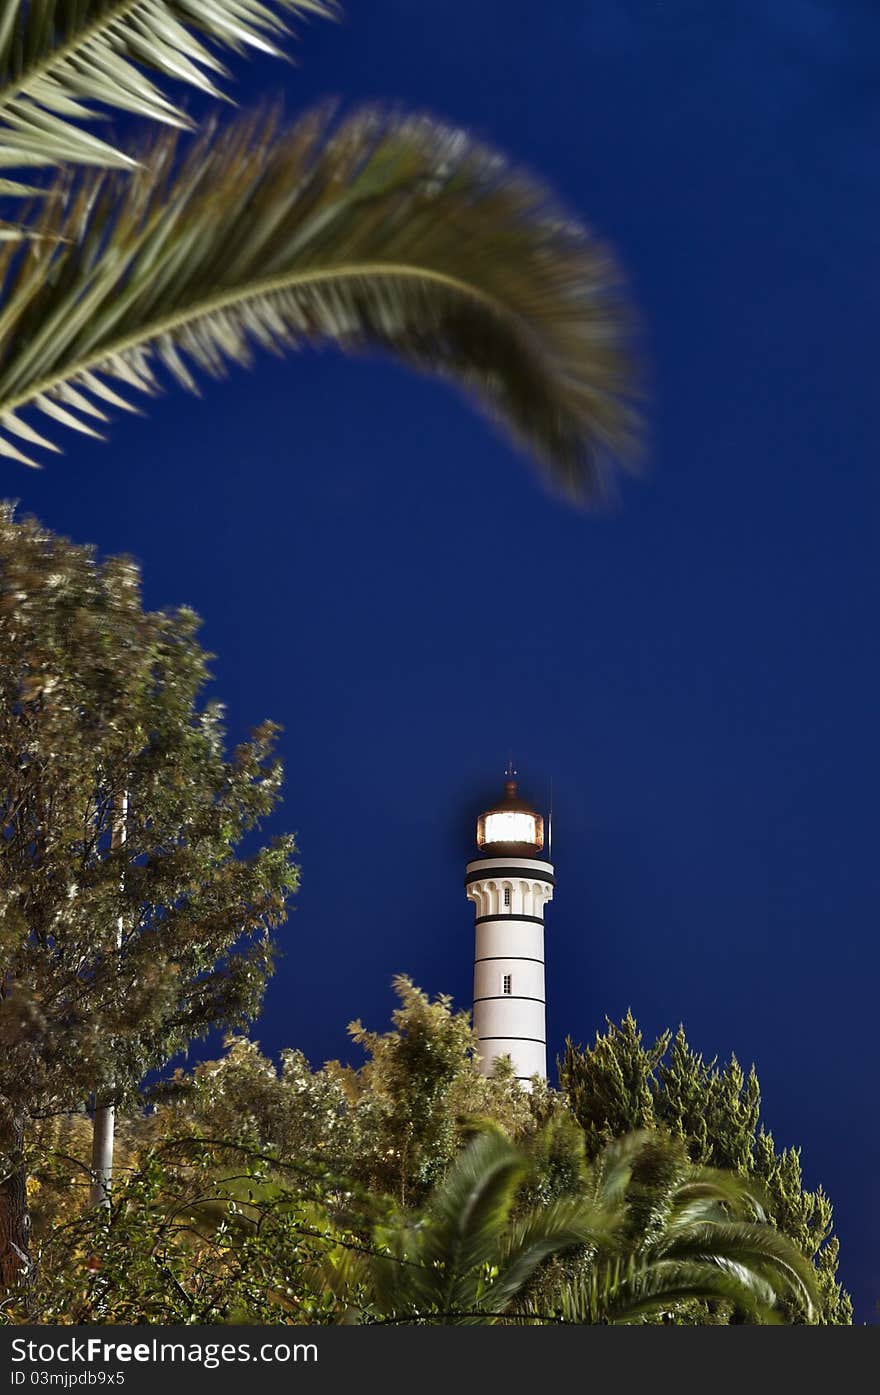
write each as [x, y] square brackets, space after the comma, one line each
[550, 825]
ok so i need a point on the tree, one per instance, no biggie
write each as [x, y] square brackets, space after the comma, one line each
[393, 1125]
[419, 1092]
[207, 1230]
[619, 1084]
[115, 956]
[374, 233]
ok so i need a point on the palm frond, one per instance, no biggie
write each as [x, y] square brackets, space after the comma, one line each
[469, 1211]
[756, 1247]
[377, 233]
[395, 1279]
[711, 1194]
[467, 1218]
[464, 1262]
[468, 1261]
[627, 1289]
[685, 1232]
[545, 1231]
[64, 64]
[612, 1170]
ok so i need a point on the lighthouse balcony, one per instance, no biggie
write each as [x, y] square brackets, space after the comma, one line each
[509, 890]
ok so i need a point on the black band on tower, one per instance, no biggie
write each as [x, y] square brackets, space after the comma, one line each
[539, 1041]
[509, 998]
[509, 958]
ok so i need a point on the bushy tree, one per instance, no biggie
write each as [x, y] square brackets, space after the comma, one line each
[393, 1124]
[195, 1232]
[116, 951]
[419, 1091]
[619, 1083]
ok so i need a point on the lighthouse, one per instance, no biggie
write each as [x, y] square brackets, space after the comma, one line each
[509, 884]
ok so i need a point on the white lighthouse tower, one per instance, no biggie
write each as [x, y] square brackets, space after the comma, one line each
[509, 884]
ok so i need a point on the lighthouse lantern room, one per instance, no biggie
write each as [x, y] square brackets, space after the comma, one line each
[509, 884]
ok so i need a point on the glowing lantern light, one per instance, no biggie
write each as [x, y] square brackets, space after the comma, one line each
[510, 824]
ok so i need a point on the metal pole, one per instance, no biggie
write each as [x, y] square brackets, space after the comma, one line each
[104, 1126]
[550, 826]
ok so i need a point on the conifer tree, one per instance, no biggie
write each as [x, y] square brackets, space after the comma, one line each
[113, 956]
[619, 1084]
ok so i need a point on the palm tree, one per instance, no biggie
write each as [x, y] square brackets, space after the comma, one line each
[467, 1259]
[650, 1233]
[684, 1233]
[373, 232]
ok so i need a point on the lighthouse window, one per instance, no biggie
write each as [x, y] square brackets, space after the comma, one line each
[506, 985]
[507, 896]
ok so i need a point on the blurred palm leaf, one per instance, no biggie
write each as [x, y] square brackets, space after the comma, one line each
[61, 58]
[376, 233]
[465, 1261]
[628, 1288]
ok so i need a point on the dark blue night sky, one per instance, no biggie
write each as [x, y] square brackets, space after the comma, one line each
[696, 669]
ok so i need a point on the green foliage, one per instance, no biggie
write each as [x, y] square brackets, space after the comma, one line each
[609, 1086]
[652, 1232]
[716, 1110]
[553, 1145]
[686, 1235]
[196, 1233]
[215, 1230]
[417, 1093]
[807, 1217]
[394, 1124]
[467, 1258]
[118, 953]
[61, 63]
[299, 1113]
[252, 1193]
[619, 1084]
